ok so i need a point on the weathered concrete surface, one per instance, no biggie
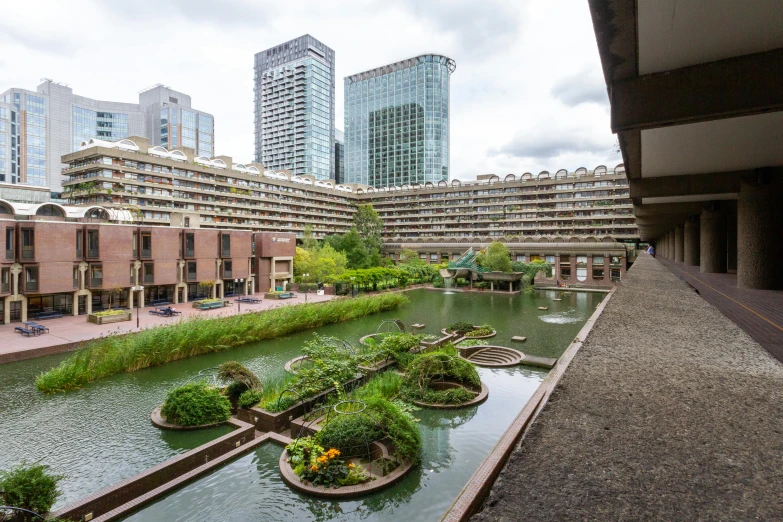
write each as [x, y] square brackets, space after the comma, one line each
[668, 412]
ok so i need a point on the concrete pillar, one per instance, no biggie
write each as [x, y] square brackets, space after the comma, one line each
[671, 245]
[75, 306]
[731, 239]
[24, 309]
[6, 309]
[679, 244]
[130, 299]
[691, 243]
[759, 225]
[712, 241]
[491, 286]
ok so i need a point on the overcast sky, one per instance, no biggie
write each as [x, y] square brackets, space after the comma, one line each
[527, 95]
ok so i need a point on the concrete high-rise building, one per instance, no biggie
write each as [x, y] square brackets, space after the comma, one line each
[294, 107]
[38, 127]
[339, 156]
[397, 122]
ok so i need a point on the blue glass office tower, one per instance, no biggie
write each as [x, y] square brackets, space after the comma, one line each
[294, 107]
[397, 122]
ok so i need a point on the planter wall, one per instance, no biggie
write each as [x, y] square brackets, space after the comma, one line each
[126, 315]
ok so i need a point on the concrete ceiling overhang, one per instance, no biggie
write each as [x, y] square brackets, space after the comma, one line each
[696, 91]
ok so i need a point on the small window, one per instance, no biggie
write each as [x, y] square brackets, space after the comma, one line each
[565, 273]
[76, 276]
[146, 245]
[79, 244]
[132, 278]
[190, 245]
[565, 259]
[96, 276]
[227, 270]
[135, 244]
[225, 245]
[598, 272]
[598, 260]
[149, 273]
[31, 279]
[28, 243]
[187, 222]
[9, 244]
[191, 274]
[92, 244]
[5, 280]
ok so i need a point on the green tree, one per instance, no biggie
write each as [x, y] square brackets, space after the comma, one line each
[353, 247]
[29, 486]
[410, 257]
[309, 242]
[369, 225]
[496, 258]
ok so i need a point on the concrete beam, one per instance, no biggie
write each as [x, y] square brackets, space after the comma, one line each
[738, 86]
[614, 24]
[663, 209]
[687, 185]
[670, 219]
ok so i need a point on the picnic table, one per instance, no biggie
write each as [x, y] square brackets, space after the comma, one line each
[249, 299]
[164, 311]
[39, 328]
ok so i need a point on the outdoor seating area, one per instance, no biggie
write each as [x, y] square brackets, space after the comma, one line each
[31, 328]
[48, 314]
[164, 311]
[249, 300]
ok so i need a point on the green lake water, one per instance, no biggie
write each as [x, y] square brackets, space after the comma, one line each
[101, 434]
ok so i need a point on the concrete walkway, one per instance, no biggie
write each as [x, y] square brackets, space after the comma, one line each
[758, 312]
[669, 412]
[66, 331]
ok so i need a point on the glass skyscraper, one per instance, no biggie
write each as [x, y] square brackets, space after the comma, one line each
[294, 107]
[397, 122]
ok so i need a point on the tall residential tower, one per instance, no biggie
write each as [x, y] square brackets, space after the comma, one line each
[38, 128]
[397, 122]
[294, 107]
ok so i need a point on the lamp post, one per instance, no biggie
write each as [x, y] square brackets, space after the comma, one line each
[239, 297]
[304, 278]
[138, 301]
[352, 287]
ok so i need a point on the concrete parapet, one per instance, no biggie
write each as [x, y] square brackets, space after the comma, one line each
[679, 244]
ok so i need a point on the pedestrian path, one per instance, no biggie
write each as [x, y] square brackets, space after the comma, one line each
[758, 312]
[669, 411]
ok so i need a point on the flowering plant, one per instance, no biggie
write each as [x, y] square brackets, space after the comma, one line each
[321, 467]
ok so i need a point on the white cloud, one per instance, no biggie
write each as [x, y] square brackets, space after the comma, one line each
[526, 95]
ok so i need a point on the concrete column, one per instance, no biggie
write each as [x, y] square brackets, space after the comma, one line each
[731, 240]
[491, 286]
[130, 299]
[75, 306]
[759, 225]
[671, 245]
[691, 243]
[712, 242]
[24, 309]
[679, 244]
[6, 309]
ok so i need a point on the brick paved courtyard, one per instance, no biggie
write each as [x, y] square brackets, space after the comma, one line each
[67, 330]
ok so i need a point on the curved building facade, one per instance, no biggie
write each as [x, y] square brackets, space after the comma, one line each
[397, 122]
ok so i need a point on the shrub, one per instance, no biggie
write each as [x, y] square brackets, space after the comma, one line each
[379, 420]
[250, 398]
[236, 372]
[151, 347]
[30, 487]
[234, 390]
[109, 312]
[195, 404]
[391, 346]
[461, 327]
[484, 329]
[465, 343]
[438, 366]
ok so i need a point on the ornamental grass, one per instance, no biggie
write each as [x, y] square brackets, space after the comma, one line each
[195, 336]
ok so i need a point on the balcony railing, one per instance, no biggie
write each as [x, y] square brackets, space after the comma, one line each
[146, 253]
[96, 282]
[93, 253]
[9, 255]
[190, 252]
[31, 286]
[227, 274]
[28, 252]
[5, 288]
[225, 252]
[149, 278]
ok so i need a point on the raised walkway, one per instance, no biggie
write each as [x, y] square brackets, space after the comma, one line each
[758, 312]
[67, 332]
[669, 411]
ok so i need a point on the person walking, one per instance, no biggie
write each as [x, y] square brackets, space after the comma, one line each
[651, 250]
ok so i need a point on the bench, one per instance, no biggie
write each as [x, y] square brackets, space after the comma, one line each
[48, 315]
[36, 328]
[24, 331]
[250, 300]
[210, 306]
[286, 295]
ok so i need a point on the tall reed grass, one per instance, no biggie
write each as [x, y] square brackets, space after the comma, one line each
[195, 336]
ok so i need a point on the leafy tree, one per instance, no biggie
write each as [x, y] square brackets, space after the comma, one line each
[353, 247]
[496, 258]
[410, 257]
[29, 487]
[369, 226]
[323, 263]
[308, 240]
